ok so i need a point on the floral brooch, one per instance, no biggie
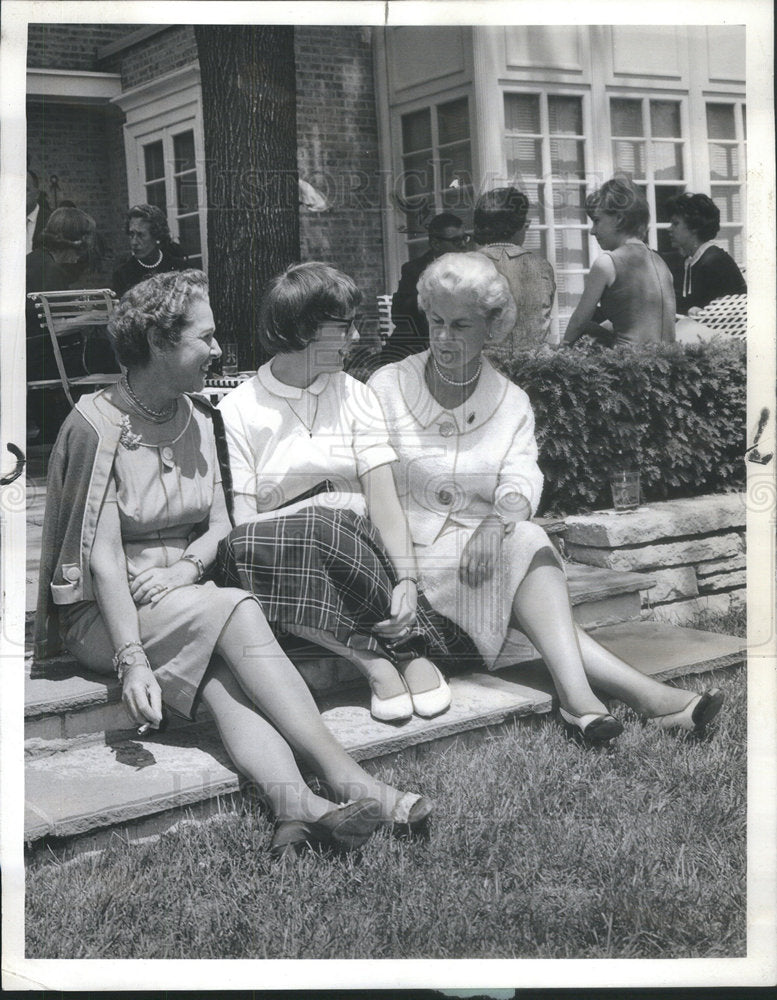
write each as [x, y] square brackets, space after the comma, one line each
[127, 437]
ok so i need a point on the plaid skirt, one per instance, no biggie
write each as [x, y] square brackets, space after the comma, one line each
[327, 570]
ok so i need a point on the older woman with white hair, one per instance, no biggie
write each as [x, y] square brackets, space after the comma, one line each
[468, 479]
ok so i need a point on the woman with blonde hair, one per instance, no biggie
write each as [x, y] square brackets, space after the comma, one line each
[629, 286]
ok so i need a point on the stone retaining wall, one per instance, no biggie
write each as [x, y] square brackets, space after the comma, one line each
[693, 549]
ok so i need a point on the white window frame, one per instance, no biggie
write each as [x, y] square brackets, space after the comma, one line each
[429, 103]
[739, 105]
[158, 110]
[559, 319]
[649, 181]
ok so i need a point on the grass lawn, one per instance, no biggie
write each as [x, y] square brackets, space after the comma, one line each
[539, 849]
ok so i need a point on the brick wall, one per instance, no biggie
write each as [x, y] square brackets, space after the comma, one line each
[153, 57]
[81, 146]
[338, 151]
[71, 46]
[336, 127]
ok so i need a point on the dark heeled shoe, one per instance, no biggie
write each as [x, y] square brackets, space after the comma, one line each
[696, 715]
[594, 728]
[345, 828]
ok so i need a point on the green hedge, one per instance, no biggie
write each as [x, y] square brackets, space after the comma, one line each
[678, 413]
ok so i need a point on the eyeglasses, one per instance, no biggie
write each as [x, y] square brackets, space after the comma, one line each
[457, 241]
[348, 324]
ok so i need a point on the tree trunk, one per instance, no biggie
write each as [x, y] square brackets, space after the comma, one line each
[250, 125]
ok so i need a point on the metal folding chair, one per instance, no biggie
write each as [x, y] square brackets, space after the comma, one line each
[62, 313]
[217, 386]
[728, 315]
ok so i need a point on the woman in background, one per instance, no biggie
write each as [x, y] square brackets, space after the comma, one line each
[153, 250]
[708, 271]
[629, 285]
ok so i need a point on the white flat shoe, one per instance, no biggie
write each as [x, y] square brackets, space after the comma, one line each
[595, 727]
[399, 708]
[696, 715]
[434, 701]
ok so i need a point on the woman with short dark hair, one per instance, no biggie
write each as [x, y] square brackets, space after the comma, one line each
[501, 223]
[322, 540]
[629, 285]
[708, 272]
[153, 250]
[137, 501]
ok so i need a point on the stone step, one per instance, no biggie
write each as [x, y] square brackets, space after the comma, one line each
[121, 778]
[89, 791]
[602, 596]
[64, 702]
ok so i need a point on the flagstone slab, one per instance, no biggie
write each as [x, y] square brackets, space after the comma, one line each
[667, 651]
[123, 779]
[660, 555]
[669, 519]
[684, 612]
[673, 584]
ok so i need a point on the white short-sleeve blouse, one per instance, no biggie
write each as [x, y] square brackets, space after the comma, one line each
[284, 441]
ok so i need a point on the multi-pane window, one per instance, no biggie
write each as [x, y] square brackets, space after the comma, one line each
[436, 168]
[726, 139]
[648, 145]
[170, 181]
[545, 154]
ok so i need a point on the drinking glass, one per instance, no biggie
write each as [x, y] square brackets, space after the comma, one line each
[229, 357]
[624, 484]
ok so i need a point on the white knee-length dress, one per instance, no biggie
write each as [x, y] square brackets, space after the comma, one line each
[456, 467]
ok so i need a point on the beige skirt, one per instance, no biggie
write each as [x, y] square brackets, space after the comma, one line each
[483, 612]
[178, 632]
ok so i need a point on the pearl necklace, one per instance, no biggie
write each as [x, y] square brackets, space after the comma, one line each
[156, 416]
[451, 381]
[150, 267]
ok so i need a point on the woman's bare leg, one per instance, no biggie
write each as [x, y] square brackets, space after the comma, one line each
[542, 610]
[380, 672]
[257, 748]
[272, 683]
[620, 680]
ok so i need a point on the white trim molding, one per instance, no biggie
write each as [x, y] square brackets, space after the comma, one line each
[162, 94]
[67, 86]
